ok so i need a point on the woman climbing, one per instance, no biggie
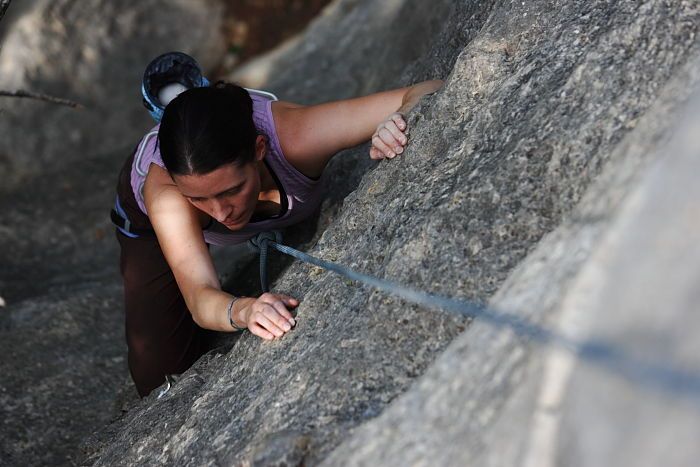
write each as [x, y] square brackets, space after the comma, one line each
[224, 164]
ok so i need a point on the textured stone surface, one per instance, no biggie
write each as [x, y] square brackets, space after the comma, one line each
[61, 333]
[58, 378]
[514, 177]
[540, 97]
[497, 398]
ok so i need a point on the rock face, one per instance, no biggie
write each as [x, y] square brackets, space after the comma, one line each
[618, 275]
[516, 187]
[532, 181]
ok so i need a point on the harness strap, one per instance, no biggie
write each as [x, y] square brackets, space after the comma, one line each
[120, 219]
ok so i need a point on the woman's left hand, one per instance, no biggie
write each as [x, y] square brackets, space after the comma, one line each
[389, 139]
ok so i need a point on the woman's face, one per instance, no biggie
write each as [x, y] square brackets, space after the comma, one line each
[229, 194]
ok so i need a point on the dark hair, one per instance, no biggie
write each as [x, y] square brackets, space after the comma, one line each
[205, 128]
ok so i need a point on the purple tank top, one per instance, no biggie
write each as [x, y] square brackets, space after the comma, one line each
[303, 193]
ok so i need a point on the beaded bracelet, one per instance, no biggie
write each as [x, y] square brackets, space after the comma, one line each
[230, 318]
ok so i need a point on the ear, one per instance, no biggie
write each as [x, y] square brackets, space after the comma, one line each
[260, 147]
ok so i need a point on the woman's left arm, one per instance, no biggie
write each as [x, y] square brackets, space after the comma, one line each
[311, 135]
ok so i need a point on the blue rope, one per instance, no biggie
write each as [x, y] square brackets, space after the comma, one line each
[259, 243]
[463, 308]
[263, 267]
[654, 375]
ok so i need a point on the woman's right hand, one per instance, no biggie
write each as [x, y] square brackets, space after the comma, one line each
[268, 316]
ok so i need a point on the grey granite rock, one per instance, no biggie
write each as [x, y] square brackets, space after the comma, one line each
[541, 97]
[60, 371]
[281, 449]
[499, 398]
[515, 189]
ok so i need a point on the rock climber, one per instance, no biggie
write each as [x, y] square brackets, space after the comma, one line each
[224, 164]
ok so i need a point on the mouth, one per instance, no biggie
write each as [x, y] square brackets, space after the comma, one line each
[234, 220]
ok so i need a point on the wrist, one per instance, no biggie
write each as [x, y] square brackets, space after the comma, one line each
[416, 92]
[237, 320]
[242, 309]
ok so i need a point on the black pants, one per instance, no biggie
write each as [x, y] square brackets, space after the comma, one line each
[161, 336]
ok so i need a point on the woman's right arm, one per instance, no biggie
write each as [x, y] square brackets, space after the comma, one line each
[178, 226]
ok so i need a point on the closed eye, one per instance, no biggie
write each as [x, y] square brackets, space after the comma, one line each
[230, 192]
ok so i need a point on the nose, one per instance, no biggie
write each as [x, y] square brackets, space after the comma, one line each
[220, 210]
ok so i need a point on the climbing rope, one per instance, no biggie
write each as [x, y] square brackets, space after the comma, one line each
[260, 244]
[462, 308]
[656, 375]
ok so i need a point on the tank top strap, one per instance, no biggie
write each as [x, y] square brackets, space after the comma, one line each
[265, 123]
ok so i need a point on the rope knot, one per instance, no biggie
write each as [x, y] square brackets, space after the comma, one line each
[259, 244]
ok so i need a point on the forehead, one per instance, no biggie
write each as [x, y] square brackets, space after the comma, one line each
[211, 184]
